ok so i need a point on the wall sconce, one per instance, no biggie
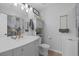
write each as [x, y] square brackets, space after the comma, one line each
[36, 12]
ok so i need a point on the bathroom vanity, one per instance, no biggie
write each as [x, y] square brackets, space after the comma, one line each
[26, 46]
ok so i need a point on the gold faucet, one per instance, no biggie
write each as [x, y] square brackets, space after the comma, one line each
[18, 35]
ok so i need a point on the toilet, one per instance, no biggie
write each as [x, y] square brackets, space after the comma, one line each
[43, 49]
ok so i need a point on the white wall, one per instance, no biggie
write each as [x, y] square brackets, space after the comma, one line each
[51, 18]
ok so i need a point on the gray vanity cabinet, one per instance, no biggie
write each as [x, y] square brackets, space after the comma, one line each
[17, 51]
[30, 49]
[26, 50]
[7, 53]
[36, 44]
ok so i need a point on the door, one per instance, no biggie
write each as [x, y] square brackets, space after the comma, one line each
[70, 46]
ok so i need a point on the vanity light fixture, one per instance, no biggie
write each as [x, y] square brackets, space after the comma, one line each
[27, 10]
[22, 7]
[31, 8]
[26, 6]
[15, 4]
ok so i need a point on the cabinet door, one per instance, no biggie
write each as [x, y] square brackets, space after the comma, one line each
[36, 47]
[7, 53]
[3, 24]
[17, 52]
[31, 49]
[28, 50]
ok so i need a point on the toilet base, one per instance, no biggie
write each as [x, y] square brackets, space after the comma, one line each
[43, 49]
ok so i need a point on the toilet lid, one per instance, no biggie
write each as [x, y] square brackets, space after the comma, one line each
[45, 45]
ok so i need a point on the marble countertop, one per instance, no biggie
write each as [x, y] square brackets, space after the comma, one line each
[6, 43]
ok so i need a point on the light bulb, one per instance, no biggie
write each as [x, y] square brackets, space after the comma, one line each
[26, 5]
[15, 4]
[22, 7]
[27, 10]
[30, 8]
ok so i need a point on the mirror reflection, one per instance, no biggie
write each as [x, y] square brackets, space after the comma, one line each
[15, 25]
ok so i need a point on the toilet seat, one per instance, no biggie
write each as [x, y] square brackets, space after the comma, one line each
[44, 45]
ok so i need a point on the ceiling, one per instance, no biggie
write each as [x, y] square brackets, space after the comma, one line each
[42, 6]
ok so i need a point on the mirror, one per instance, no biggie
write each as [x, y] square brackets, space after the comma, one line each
[3, 24]
[14, 25]
[11, 25]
